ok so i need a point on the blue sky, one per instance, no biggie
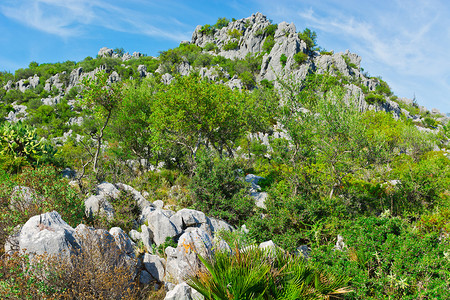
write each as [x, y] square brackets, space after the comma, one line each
[406, 42]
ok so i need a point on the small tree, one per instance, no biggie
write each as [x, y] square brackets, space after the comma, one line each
[102, 98]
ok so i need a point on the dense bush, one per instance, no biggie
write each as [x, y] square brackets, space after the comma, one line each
[219, 190]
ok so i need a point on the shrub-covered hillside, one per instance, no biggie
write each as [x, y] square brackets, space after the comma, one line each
[251, 123]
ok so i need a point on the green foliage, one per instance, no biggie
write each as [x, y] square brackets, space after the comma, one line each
[254, 273]
[348, 62]
[210, 46]
[283, 59]
[270, 30]
[383, 88]
[300, 57]
[19, 143]
[235, 33]
[221, 23]
[207, 29]
[13, 96]
[430, 122]
[218, 191]
[373, 98]
[190, 111]
[126, 211]
[268, 44]
[387, 260]
[310, 38]
[119, 51]
[231, 45]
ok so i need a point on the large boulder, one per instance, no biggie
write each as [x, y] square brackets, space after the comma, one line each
[189, 218]
[183, 260]
[48, 233]
[99, 205]
[154, 265]
[105, 52]
[161, 226]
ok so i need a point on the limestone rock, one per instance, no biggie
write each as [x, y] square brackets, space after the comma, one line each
[183, 259]
[18, 113]
[47, 233]
[161, 227]
[122, 241]
[188, 217]
[181, 291]
[99, 205]
[155, 266]
[105, 52]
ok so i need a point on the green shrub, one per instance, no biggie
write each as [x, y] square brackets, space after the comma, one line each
[235, 33]
[300, 57]
[270, 30]
[230, 45]
[386, 259]
[210, 46]
[373, 98]
[218, 191]
[268, 44]
[430, 122]
[310, 38]
[283, 59]
[247, 79]
[267, 84]
[221, 23]
[207, 29]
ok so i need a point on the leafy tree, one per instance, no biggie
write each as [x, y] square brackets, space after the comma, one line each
[102, 98]
[310, 38]
[192, 112]
[221, 23]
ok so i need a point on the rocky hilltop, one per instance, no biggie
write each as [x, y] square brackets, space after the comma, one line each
[278, 48]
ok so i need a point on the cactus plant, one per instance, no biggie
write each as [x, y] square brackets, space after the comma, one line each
[21, 141]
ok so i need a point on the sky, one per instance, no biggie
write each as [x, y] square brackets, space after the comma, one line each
[406, 42]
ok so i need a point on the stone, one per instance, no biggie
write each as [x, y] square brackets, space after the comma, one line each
[304, 251]
[19, 113]
[166, 78]
[134, 235]
[108, 189]
[124, 243]
[147, 237]
[340, 245]
[68, 173]
[47, 233]
[145, 277]
[188, 217]
[158, 204]
[181, 291]
[141, 201]
[99, 205]
[22, 197]
[217, 224]
[161, 227]
[105, 52]
[142, 70]
[154, 266]
[183, 260]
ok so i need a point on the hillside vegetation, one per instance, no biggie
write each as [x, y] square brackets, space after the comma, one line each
[353, 177]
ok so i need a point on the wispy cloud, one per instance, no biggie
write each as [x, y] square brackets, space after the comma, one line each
[71, 18]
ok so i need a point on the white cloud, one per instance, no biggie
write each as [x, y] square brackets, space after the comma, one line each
[71, 18]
